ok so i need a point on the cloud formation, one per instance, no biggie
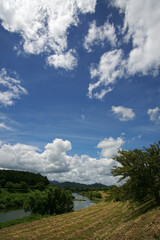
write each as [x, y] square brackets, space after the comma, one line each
[141, 30]
[142, 27]
[111, 67]
[99, 35]
[154, 114]
[110, 146]
[43, 24]
[124, 114]
[11, 88]
[68, 61]
[57, 164]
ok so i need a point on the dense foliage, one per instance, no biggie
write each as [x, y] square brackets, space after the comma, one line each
[14, 198]
[51, 201]
[141, 171]
[9, 199]
[16, 186]
[16, 177]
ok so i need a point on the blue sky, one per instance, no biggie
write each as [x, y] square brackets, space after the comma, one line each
[79, 79]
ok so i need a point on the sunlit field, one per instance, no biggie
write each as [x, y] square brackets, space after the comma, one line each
[101, 221]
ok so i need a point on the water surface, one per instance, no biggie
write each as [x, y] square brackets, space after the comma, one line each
[81, 204]
[12, 214]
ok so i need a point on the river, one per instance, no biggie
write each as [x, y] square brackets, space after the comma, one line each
[85, 202]
[12, 214]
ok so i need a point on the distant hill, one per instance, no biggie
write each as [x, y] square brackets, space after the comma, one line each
[74, 185]
[19, 176]
[55, 183]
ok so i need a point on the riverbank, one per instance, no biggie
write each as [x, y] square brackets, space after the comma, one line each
[17, 216]
[101, 221]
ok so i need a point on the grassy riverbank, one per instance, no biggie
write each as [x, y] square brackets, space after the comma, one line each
[102, 221]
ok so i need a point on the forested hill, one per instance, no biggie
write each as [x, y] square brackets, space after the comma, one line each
[78, 186]
[21, 176]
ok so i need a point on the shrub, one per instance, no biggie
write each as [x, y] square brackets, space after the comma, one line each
[51, 201]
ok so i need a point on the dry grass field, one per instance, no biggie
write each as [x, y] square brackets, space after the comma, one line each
[114, 221]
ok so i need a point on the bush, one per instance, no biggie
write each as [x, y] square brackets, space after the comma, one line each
[116, 194]
[96, 195]
[51, 201]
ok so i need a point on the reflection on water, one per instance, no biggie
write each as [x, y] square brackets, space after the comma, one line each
[6, 215]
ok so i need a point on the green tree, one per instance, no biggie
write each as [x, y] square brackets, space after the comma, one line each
[2, 180]
[24, 186]
[10, 186]
[141, 171]
[40, 186]
[51, 201]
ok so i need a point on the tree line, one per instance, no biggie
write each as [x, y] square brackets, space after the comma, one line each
[51, 201]
[21, 179]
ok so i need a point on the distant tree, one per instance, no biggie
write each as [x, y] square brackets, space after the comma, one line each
[40, 186]
[141, 171]
[24, 186]
[10, 186]
[18, 176]
[51, 201]
[96, 194]
[2, 180]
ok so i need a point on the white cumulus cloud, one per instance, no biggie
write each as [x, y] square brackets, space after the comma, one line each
[11, 88]
[57, 164]
[25, 157]
[142, 27]
[141, 30]
[154, 114]
[111, 67]
[43, 24]
[123, 113]
[67, 60]
[110, 146]
[99, 35]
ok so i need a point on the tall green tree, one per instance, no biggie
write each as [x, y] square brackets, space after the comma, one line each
[51, 201]
[140, 169]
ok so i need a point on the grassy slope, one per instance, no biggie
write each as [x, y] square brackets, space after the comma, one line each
[102, 221]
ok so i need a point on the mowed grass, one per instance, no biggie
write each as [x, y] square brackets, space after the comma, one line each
[105, 220]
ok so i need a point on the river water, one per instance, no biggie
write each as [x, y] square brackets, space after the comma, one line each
[85, 202]
[6, 215]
